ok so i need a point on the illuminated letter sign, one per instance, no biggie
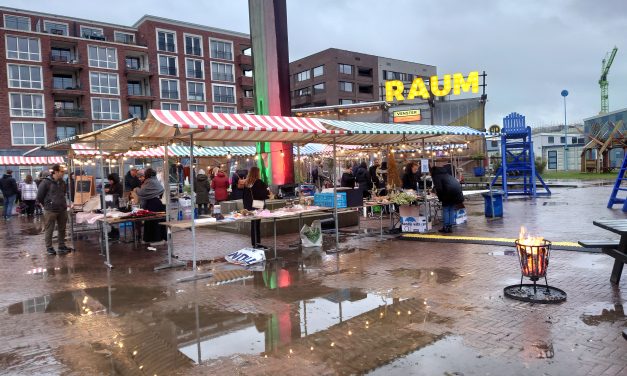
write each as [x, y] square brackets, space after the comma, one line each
[458, 83]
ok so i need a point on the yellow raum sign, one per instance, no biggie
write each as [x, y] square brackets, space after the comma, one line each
[458, 83]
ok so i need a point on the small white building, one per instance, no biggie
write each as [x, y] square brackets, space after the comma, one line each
[550, 146]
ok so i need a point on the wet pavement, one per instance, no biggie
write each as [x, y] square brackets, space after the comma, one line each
[378, 307]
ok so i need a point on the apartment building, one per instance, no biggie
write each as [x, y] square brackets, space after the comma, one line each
[67, 76]
[335, 77]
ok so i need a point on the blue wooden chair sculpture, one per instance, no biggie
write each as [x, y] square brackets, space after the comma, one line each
[517, 159]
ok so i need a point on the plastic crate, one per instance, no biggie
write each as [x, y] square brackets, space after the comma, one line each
[326, 200]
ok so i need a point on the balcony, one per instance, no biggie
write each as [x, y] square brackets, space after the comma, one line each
[133, 71]
[65, 62]
[247, 102]
[245, 81]
[224, 98]
[227, 77]
[73, 90]
[301, 100]
[69, 114]
[245, 61]
[139, 96]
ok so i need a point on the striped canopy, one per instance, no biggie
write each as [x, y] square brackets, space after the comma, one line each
[208, 126]
[6, 160]
[173, 150]
[383, 133]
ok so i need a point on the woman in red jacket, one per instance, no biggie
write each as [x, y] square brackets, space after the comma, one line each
[219, 184]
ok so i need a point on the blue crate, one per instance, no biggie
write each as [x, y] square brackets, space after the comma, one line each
[326, 200]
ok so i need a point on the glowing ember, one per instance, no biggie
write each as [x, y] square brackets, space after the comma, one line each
[533, 253]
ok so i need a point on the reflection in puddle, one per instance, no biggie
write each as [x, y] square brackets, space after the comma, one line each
[437, 275]
[509, 252]
[608, 313]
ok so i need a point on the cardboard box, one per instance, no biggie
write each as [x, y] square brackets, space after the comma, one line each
[415, 224]
[461, 216]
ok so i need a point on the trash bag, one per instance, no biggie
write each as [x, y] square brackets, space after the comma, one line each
[311, 236]
[246, 256]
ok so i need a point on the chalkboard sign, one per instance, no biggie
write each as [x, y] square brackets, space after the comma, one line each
[83, 186]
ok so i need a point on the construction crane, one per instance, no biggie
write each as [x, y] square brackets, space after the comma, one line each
[605, 69]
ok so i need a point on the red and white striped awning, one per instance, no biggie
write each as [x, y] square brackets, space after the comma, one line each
[162, 124]
[7, 160]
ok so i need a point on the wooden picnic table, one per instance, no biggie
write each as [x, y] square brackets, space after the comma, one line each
[615, 249]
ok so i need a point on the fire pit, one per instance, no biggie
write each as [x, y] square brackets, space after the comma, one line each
[533, 254]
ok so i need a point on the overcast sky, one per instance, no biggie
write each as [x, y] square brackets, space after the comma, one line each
[531, 49]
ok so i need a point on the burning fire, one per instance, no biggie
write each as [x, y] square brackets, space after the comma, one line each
[525, 238]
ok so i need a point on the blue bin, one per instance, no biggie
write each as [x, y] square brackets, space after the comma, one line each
[495, 201]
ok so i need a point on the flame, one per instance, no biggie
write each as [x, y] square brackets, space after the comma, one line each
[525, 238]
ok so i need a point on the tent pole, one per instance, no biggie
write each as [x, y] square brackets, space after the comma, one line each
[104, 205]
[335, 217]
[168, 205]
[69, 196]
[195, 276]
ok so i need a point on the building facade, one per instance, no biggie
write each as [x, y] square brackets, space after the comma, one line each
[67, 76]
[340, 77]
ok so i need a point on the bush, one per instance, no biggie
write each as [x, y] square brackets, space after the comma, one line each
[496, 163]
[540, 165]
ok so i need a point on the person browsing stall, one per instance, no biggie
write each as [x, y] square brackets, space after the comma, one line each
[202, 187]
[449, 192]
[410, 180]
[149, 195]
[51, 193]
[254, 196]
[220, 184]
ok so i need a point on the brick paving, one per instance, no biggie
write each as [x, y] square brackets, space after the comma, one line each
[387, 307]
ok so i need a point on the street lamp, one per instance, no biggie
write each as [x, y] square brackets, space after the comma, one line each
[565, 94]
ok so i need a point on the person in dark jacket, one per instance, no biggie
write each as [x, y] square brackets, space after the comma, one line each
[115, 187]
[219, 184]
[131, 180]
[449, 192]
[410, 180]
[149, 195]
[254, 189]
[376, 182]
[237, 192]
[364, 181]
[348, 179]
[202, 187]
[8, 185]
[51, 193]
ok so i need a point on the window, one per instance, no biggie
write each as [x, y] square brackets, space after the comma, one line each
[318, 71]
[346, 86]
[573, 140]
[23, 133]
[17, 22]
[167, 65]
[61, 54]
[133, 63]
[166, 41]
[224, 94]
[562, 140]
[405, 77]
[24, 76]
[95, 33]
[222, 72]
[99, 126]
[194, 68]
[64, 105]
[103, 57]
[224, 109]
[56, 28]
[195, 91]
[303, 92]
[169, 89]
[494, 144]
[23, 48]
[193, 45]
[364, 72]
[221, 50]
[346, 69]
[122, 37]
[26, 105]
[136, 110]
[247, 51]
[170, 106]
[318, 88]
[581, 140]
[65, 132]
[248, 93]
[63, 81]
[551, 140]
[346, 101]
[135, 88]
[197, 107]
[302, 76]
[105, 109]
[104, 83]
[365, 89]
[552, 163]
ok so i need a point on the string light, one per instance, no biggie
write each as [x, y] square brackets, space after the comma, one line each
[228, 155]
[282, 153]
[143, 147]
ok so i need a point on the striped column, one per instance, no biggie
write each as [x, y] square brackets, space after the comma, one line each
[268, 31]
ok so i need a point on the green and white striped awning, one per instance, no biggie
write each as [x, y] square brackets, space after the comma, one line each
[383, 133]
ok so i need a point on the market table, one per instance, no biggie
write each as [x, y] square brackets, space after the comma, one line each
[617, 251]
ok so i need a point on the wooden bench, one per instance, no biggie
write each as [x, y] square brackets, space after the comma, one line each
[610, 248]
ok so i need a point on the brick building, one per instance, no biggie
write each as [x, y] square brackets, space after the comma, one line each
[333, 76]
[67, 76]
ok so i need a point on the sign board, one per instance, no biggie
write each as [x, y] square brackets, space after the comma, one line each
[407, 116]
[424, 166]
[453, 84]
[494, 129]
[84, 188]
